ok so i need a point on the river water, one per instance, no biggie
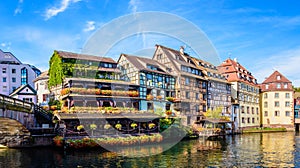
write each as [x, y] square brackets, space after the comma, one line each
[247, 150]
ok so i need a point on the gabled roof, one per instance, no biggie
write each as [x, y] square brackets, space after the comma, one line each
[8, 58]
[235, 72]
[209, 68]
[273, 78]
[43, 75]
[141, 64]
[19, 90]
[65, 54]
[172, 54]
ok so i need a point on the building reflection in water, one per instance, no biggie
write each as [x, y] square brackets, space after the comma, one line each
[247, 150]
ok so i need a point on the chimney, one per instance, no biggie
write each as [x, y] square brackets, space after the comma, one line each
[181, 50]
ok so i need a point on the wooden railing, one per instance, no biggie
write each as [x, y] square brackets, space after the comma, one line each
[10, 103]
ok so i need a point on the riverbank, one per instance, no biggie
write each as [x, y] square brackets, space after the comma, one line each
[264, 130]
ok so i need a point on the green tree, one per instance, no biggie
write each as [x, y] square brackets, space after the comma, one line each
[56, 74]
[215, 114]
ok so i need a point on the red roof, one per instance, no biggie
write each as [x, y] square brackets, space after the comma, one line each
[234, 72]
[276, 82]
[273, 78]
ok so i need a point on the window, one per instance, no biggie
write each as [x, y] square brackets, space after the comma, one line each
[285, 86]
[187, 81]
[278, 77]
[4, 79]
[278, 86]
[265, 104]
[3, 70]
[243, 120]
[248, 109]
[197, 96]
[287, 95]
[14, 88]
[277, 113]
[276, 95]
[197, 108]
[266, 113]
[248, 119]
[253, 120]
[27, 99]
[252, 110]
[287, 104]
[257, 112]
[13, 80]
[24, 79]
[4, 88]
[187, 95]
[13, 71]
[276, 104]
[266, 95]
[243, 110]
[287, 113]
[267, 86]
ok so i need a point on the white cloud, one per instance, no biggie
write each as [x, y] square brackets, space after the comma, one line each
[90, 26]
[53, 11]
[133, 5]
[6, 45]
[19, 9]
[286, 62]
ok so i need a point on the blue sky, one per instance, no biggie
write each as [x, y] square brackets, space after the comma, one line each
[262, 34]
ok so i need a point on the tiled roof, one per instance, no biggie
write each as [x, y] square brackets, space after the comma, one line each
[43, 75]
[141, 64]
[65, 54]
[276, 84]
[207, 67]
[172, 54]
[234, 72]
[273, 78]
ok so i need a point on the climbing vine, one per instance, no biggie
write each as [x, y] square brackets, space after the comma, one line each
[56, 74]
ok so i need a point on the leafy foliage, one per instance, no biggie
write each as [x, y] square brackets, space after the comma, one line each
[215, 114]
[56, 74]
[296, 89]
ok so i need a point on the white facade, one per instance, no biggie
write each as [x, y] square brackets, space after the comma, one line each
[13, 73]
[41, 87]
[25, 93]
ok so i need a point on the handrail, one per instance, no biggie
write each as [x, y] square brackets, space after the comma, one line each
[44, 113]
[15, 104]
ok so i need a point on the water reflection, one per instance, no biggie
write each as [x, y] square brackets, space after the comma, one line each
[248, 150]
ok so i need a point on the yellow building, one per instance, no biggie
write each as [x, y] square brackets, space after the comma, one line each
[277, 102]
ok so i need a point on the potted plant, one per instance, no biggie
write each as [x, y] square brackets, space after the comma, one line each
[168, 112]
[58, 140]
[151, 125]
[149, 97]
[133, 125]
[159, 97]
[80, 128]
[118, 126]
[170, 99]
[93, 127]
[107, 126]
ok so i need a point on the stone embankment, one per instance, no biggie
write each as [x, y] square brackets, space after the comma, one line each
[13, 133]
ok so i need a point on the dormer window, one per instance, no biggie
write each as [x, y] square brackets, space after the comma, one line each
[278, 77]
[267, 86]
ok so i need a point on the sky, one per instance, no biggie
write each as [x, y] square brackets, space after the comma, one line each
[262, 34]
